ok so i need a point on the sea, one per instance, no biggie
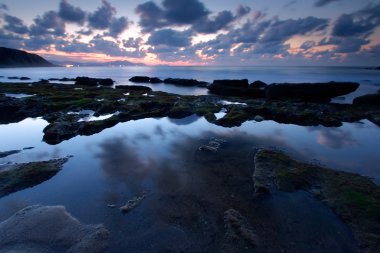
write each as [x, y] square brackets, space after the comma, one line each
[146, 155]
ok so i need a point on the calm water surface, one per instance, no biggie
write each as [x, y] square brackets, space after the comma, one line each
[149, 155]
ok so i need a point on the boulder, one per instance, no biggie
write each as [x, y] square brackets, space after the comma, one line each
[258, 85]
[239, 88]
[371, 99]
[310, 91]
[231, 83]
[51, 229]
[87, 81]
[155, 80]
[140, 79]
[184, 82]
[24, 78]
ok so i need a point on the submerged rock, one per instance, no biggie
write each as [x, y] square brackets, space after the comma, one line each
[213, 145]
[16, 177]
[155, 80]
[310, 91]
[132, 203]
[52, 229]
[371, 100]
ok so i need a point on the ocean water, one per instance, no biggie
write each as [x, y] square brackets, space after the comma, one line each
[369, 79]
[159, 155]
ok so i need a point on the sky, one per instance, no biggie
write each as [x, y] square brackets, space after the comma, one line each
[196, 32]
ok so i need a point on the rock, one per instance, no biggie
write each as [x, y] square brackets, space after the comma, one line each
[258, 85]
[184, 82]
[258, 118]
[238, 231]
[8, 153]
[87, 81]
[377, 68]
[12, 77]
[133, 88]
[43, 81]
[132, 203]
[24, 78]
[17, 177]
[310, 91]
[239, 88]
[155, 80]
[140, 79]
[371, 99]
[212, 146]
[51, 229]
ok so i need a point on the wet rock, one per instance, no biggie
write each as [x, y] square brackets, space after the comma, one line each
[13, 78]
[258, 118]
[213, 145]
[155, 80]
[87, 81]
[16, 177]
[65, 79]
[132, 203]
[51, 229]
[24, 78]
[310, 91]
[140, 79]
[239, 233]
[43, 81]
[258, 85]
[368, 100]
[8, 153]
[184, 82]
[239, 88]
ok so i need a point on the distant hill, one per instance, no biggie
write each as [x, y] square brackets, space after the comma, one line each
[98, 64]
[12, 58]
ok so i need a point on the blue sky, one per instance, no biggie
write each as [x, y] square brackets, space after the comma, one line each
[196, 32]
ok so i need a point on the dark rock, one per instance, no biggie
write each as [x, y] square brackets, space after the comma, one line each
[87, 81]
[310, 91]
[133, 88]
[43, 81]
[232, 83]
[239, 88]
[371, 99]
[258, 85]
[51, 229]
[8, 153]
[377, 68]
[155, 80]
[140, 79]
[13, 78]
[24, 78]
[184, 82]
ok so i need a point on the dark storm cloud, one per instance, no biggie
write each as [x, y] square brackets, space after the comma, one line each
[118, 26]
[184, 11]
[49, 23]
[70, 13]
[151, 16]
[14, 24]
[360, 23]
[283, 30]
[101, 19]
[351, 45]
[10, 40]
[170, 37]
[40, 42]
[321, 3]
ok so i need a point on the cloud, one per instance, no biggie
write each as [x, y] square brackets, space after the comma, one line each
[242, 10]
[70, 13]
[351, 45]
[118, 26]
[102, 18]
[220, 21]
[49, 23]
[283, 30]
[360, 23]
[184, 11]
[170, 37]
[3, 7]
[308, 45]
[151, 16]
[15, 25]
[321, 3]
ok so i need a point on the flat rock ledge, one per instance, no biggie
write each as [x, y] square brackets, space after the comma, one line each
[42, 229]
